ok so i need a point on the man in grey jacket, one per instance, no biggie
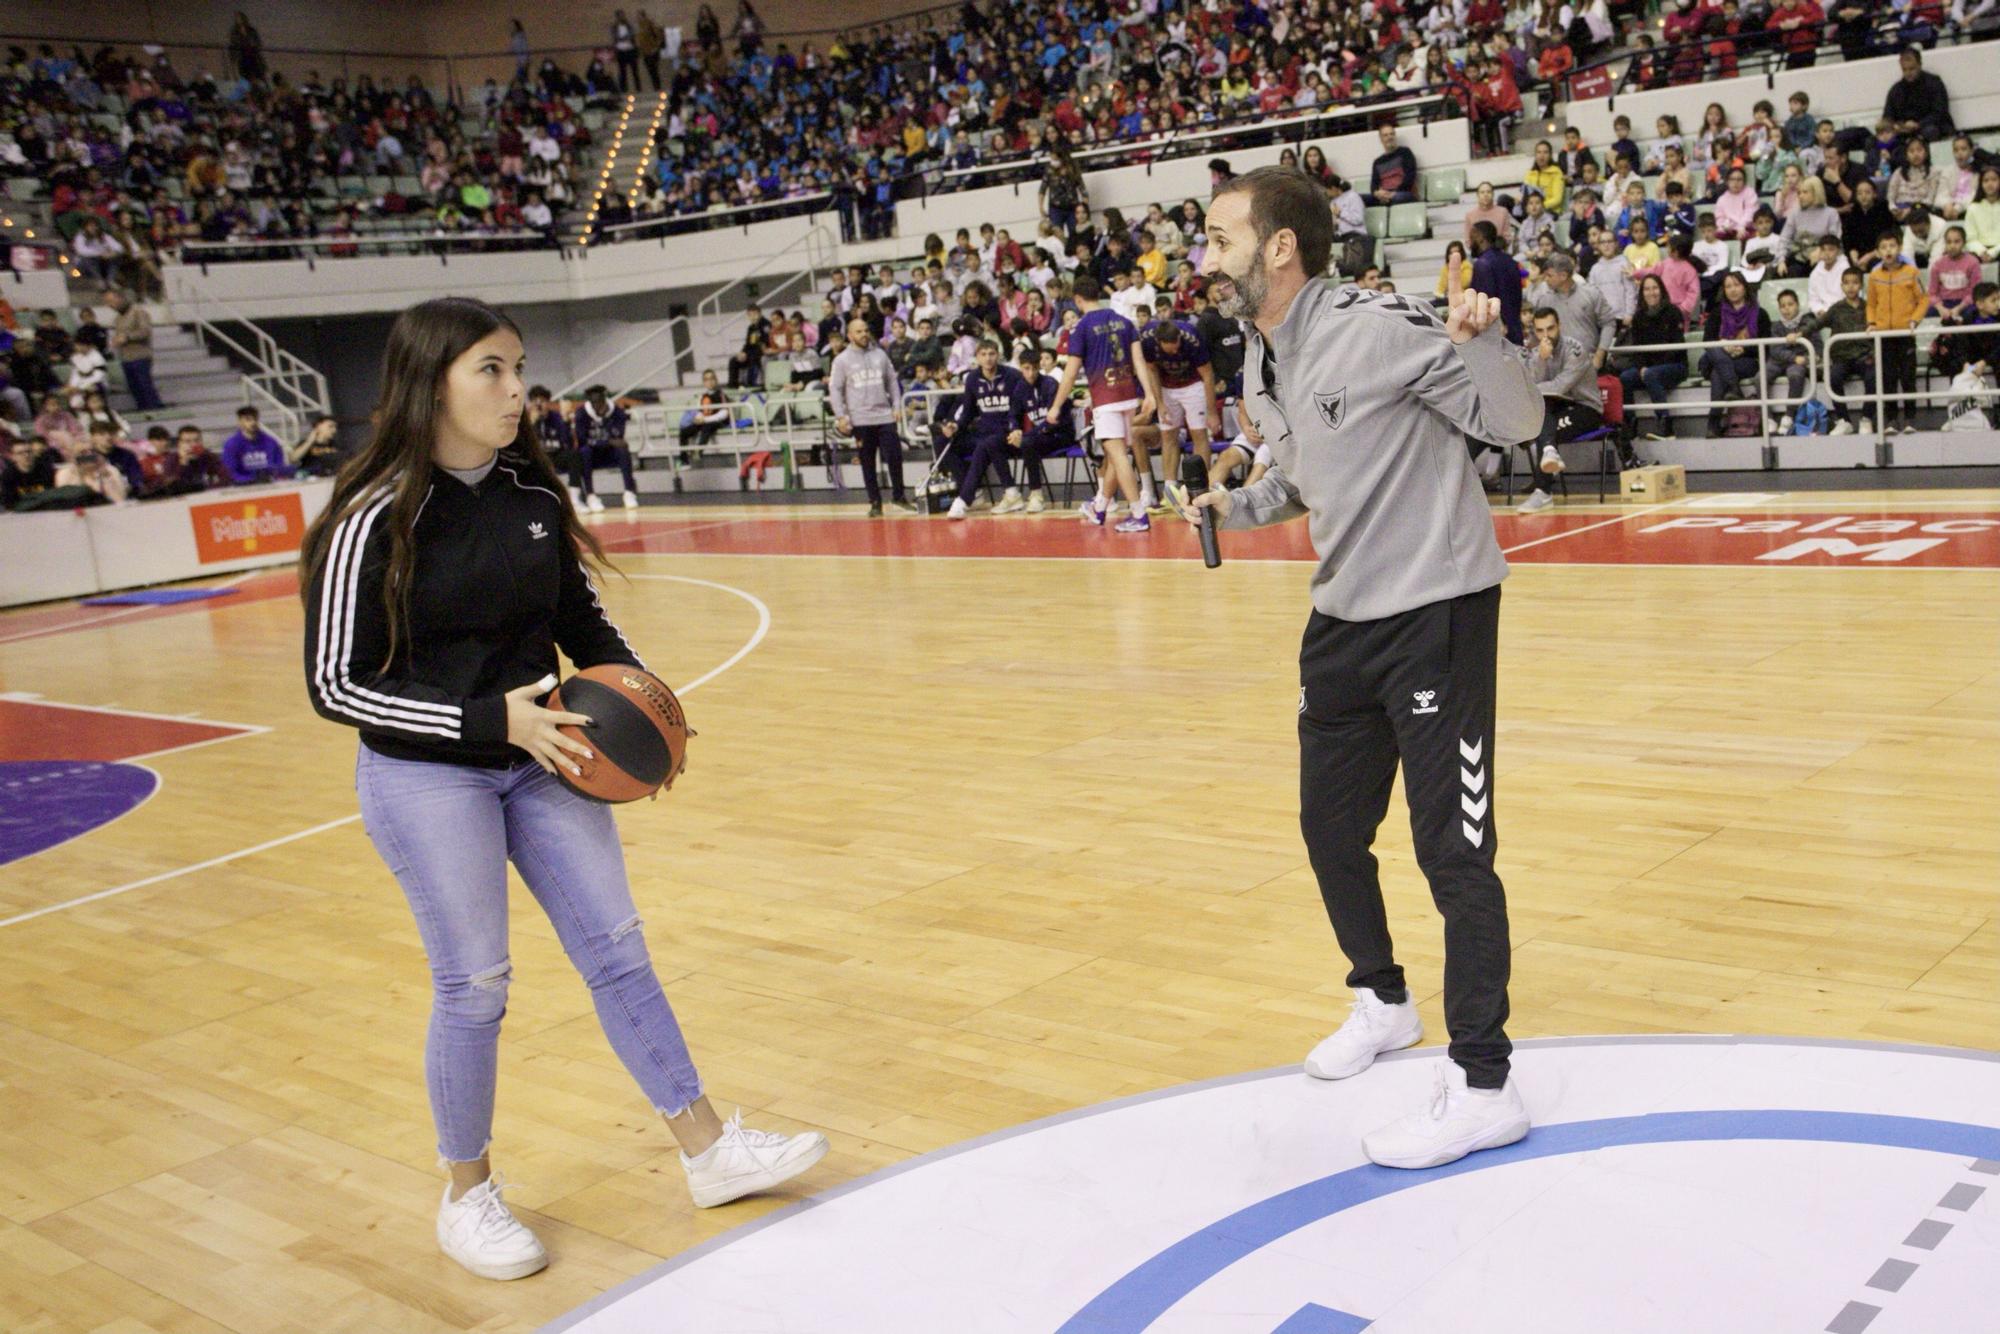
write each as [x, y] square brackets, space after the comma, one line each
[1586, 315]
[1566, 377]
[1366, 401]
[867, 397]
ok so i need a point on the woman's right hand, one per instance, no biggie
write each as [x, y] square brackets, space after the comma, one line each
[533, 728]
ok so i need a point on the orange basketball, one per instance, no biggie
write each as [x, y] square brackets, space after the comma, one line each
[639, 741]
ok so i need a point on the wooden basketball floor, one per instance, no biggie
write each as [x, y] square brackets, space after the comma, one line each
[984, 828]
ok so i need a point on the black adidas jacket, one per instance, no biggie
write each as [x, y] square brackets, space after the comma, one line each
[496, 590]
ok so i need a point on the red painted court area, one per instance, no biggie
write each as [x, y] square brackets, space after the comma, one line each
[1666, 535]
[34, 730]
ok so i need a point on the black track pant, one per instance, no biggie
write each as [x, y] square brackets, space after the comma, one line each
[884, 439]
[1418, 687]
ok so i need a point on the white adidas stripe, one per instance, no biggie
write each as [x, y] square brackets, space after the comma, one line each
[339, 595]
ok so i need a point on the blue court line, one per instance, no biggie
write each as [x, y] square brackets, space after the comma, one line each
[1313, 1318]
[1134, 1302]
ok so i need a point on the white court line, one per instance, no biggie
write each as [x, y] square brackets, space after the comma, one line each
[32, 697]
[1592, 527]
[763, 628]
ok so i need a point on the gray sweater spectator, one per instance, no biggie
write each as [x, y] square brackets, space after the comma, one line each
[1586, 316]
[864, 387]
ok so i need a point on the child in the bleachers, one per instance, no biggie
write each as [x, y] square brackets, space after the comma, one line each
[1922, 235]
[1954, 276]
[1800, 329]
[1764, 250]
[1711, 257]
[1823, 287]
[1799, 126]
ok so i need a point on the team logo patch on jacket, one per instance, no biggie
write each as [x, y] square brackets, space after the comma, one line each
[1332, 408]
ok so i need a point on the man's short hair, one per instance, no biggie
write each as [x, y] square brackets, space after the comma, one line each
[247, 411]
[1167, 332]
[1559, 263]
[1486, 233]
[1548, 312]
[985, 343]
[540, 391]
[1286, 199]
[1085, 288]
[102, 426]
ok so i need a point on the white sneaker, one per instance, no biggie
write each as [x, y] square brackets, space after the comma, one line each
[1373, 1026]
[480, 1232]
[1011, 503]
[1037, 502]
[632, 497]
[1781, 426]
[1552, 460]
[1489, 463]
[744, 1162]
[1867, 426]
[1535, 503]
[1147, 501]
[980, 502]
[957, 510]
[593, 504]
[1842, 427]
[1094, 510]
[1454, 1121]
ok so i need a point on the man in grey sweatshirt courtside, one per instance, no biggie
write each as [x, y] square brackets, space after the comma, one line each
[867, 397]
[1367, 401]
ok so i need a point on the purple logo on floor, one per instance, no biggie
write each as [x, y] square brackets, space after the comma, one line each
[47, 802]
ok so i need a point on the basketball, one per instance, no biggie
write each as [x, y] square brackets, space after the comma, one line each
[639, 744]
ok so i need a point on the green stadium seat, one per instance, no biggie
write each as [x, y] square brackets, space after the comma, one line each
[1443, 186]
[1408, 222]
[1376, 217]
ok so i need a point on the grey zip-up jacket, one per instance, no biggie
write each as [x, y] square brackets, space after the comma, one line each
[1568, 374]
[864, 386]
[1367, 428]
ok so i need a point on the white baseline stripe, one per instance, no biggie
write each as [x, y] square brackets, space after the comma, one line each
[1592, 527]
[763, 628]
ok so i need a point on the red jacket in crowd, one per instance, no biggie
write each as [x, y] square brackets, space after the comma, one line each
[1798, 27]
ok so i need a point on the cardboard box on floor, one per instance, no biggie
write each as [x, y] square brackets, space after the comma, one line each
[1654, 485]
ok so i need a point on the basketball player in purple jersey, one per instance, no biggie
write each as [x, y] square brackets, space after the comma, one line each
[1106, 346]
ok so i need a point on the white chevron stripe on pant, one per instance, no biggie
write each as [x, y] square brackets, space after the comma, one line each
[1473, 799]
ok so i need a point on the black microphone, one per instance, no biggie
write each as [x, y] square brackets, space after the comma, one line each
[1194, 478]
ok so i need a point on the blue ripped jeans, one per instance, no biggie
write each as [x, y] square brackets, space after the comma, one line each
[447, 832]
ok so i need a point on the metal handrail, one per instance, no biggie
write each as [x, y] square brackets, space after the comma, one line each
[1878, 398]
[708, 217]
[1756, 52]
[280, 379]
[428, 239]
[590, 376]
[1222, 129]
[818, 245]
[1762, 399]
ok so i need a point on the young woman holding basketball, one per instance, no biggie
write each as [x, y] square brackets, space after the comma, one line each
[447, 570]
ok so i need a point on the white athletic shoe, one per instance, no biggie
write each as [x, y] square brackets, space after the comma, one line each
[1536, 502]
[1453, 1121]
[980, 502]
[480, 1232]
[1373, 1026]
[1037, 502]
[744, 1162]
[1552, 460]
[593, 504]
[957, 510]
[632, 497]
[1011, 503]
[1094, 510]
[1488, 463]
[1781, 426]
[1842, 427]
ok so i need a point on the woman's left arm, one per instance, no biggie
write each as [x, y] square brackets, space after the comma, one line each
[583, 631]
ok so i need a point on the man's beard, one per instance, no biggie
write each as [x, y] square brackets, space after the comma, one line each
[1247, 292]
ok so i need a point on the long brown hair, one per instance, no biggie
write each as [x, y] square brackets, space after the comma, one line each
[423, 343]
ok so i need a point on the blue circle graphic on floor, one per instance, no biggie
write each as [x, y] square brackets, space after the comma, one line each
[44, 803]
